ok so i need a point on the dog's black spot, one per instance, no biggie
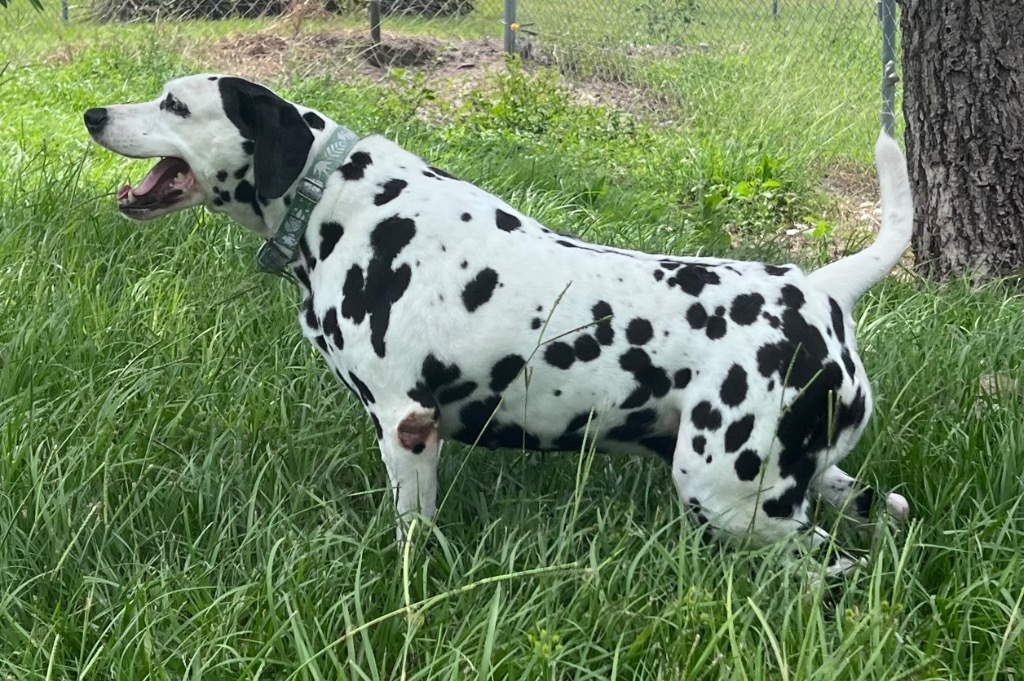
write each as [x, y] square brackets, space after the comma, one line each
[240, 173]
[382, 286]
[745, 308]
[506, 221]
[466, 217]
[748, 465]
[535, 323]
[837, 321]
[480, 289]
[692, 278]
[246, 193]
[637, 425]
[442, 173]
[222, 175]
[716, 327]
[776, 271]
[659, 275]
[586, 348]
[706, 417]
[559, 355]
[321, 343]
[386, 286]
[353, 299]
[356, 166]
[212, 78]
[390, 191]
[603, 331]
[376, 425]
[437, 374]
[309, 315]
[332, 329]
[474, 417]
[505, 371]
[697, 316]
[302, 276]
[330, 234]
[699, 443]
[734, 387]
[459, 391]
[313, 121]
[364, 391]
[418, 449]
[248, 146]
[682, 378]
[571, 438]
[851, 368]
[639, 331]
[224, 196]
[217, 201]
[792, 297]
[652, 381]
[738, 432]
[424, 398]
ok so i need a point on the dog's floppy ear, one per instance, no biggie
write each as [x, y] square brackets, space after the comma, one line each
[281, 139]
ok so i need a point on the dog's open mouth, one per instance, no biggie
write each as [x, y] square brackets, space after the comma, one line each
[169, 182]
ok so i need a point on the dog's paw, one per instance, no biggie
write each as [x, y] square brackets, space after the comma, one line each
[898, 506]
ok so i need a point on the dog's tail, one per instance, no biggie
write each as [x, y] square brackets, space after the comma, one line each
[846, 280]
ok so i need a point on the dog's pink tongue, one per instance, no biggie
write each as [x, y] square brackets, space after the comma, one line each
[156, 175]
[122, 193]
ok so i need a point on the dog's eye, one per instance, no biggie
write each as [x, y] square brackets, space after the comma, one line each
[175, 106]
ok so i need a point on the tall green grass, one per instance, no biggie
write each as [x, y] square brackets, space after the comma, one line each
[186, 493]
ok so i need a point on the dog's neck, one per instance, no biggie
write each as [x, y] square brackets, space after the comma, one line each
[286, 219]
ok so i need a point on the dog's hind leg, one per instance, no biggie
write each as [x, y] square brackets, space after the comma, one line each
[855, 498]
[410, 447]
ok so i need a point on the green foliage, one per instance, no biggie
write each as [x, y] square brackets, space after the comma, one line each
[664, 21]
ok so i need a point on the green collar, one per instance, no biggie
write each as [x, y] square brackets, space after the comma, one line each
[279, 250]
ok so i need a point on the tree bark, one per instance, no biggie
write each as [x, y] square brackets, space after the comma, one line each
[963, 103]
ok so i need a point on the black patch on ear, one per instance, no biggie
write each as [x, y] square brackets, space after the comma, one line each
[281, 138]
[313, 121]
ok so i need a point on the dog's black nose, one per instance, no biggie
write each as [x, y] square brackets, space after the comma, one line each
[95, 119]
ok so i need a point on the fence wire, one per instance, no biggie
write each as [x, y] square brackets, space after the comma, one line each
[647, 56]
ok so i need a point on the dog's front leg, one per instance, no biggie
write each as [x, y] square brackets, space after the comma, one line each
[410, 446]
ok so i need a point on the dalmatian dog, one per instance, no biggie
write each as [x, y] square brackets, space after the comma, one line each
[451, 315]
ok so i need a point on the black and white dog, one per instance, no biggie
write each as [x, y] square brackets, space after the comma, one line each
[450, 314]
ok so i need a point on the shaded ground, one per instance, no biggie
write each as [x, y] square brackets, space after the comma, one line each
[452, 67]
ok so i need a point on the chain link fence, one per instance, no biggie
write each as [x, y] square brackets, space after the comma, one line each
[641, 55]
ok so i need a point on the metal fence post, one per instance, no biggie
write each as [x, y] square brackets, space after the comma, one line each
[375, 22]
[510, 34]
[775, 9]
[887, 9]
[64, 11]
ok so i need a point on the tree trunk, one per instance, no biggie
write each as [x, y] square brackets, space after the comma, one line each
[963, 102]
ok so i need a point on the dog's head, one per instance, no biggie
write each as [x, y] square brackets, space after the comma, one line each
[223, 142]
